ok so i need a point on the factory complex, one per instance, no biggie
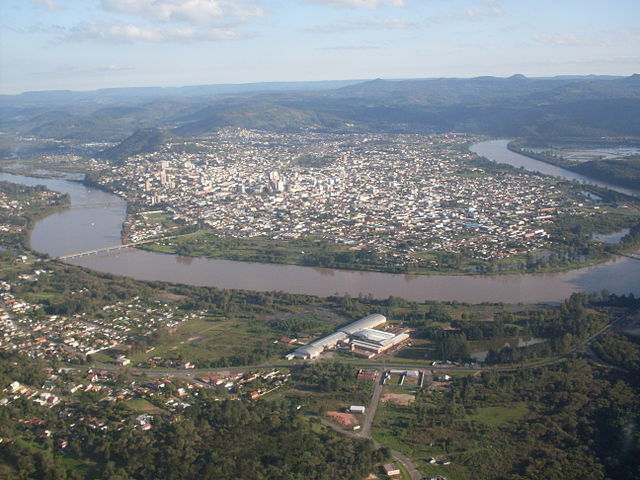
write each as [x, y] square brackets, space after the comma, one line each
[359, 337]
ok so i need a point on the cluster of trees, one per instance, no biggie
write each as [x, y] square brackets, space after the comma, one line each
[575, 422]
[73, 290]
[295, 325]
[328, 377]
[577, 230]
[305, 251]
[15, 189]
[620, 350]
[620, 171]
[229, 439]
[632, 239]
[561, 328]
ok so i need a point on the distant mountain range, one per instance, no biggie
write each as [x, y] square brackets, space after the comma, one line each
[556, 107]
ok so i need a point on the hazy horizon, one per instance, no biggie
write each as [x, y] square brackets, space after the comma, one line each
[293, 82]
[77, 45]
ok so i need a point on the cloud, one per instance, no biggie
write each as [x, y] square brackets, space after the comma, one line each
[574, 40]
[50, 5]
[351, 47]
[193, 12]
[485, 9]
[490, 9]
[363, 24]
[626, 60]
[113, 67]
[128, 33]
[75, 69]
[371, 4]
[157, 21]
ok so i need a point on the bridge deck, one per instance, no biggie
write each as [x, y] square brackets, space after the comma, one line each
[112, 248]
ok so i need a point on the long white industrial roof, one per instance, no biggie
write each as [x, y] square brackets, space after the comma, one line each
[315, 348]
[370, 321]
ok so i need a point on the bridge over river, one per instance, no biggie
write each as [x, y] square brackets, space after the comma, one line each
[114, 248]
[98, 222]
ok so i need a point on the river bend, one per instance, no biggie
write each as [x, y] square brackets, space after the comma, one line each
[95, 220]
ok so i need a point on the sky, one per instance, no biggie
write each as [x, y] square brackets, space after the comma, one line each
[91, 44]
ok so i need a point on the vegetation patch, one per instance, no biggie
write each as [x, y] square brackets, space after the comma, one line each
[143, 406]
[499, 415]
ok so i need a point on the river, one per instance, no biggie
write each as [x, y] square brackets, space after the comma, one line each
[497, 151]
[95, 218]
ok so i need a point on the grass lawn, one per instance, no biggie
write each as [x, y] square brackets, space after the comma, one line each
[39, 296]
[420, 349]
[102, 357]
[458, 374]
[499, 415]
[143, 406]
[389, 428]
[409, 389]
[211, 338]
[404, 474]
[390, 419]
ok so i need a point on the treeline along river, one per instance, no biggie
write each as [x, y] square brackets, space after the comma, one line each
[95, 220]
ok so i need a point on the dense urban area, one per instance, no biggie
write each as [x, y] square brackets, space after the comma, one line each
[408, 203]
[107, 377]
[121, 376]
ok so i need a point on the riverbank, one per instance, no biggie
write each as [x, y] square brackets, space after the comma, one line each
[621, 172]
[312, 253]
[514, 147]
[37, 203]
[416, 258]
[97, 222]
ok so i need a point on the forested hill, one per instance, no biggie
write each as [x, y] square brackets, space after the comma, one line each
[558, 107]
[142, 141]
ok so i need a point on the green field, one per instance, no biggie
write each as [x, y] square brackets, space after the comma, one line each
[394, 428]
[143, 406]
[391, 428]
[212, 338]
[499, 415]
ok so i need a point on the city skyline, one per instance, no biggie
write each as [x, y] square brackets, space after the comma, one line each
[67, 44]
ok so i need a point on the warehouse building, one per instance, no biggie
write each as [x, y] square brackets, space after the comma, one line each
[368, 342]
[370, 321]
[313, 349]
[359, 336]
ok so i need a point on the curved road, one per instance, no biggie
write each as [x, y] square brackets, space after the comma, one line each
[397, 456]
[365, 431]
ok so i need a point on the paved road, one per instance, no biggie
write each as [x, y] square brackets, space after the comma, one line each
[370, 413]
[365, 431]
[594, 357]
[399, 457]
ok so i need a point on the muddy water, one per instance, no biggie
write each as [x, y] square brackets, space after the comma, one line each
[95, 219]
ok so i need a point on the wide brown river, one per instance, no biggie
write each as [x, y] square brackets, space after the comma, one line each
[95, 219]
